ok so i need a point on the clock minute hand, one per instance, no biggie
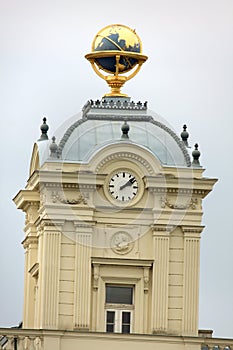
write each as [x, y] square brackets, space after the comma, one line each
[128, 183]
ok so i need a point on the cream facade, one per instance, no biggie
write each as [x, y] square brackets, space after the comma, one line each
[104, 265]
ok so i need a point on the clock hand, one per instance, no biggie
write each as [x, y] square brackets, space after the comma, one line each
[128, 183]
[132, 180]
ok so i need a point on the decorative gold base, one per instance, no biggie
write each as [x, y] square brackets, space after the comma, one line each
[115, 81]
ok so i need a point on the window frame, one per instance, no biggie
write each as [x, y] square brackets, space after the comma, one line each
[118, 309]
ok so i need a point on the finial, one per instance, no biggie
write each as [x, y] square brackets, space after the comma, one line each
[53, 148]
[184, 135]
[44, 129]
[125, 130]
[116, 50]
[196, 155]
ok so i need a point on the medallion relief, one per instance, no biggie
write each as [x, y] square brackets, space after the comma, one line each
[122, 243]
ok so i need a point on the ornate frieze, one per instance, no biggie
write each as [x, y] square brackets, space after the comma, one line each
[70, 199]
[190, 204]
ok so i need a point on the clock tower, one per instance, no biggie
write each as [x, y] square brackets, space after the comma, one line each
[113, 210]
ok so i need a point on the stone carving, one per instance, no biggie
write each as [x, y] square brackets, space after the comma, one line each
[79, 199]
[190, 204]
[121, 243]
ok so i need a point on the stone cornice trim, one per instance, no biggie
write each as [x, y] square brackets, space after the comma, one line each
[187, 230]
[121, 262]
[29, 240]
[162, 229]
[25, 197]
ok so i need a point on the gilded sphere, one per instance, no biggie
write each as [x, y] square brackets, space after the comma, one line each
[120, 39]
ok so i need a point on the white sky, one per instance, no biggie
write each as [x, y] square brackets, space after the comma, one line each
[188, 78]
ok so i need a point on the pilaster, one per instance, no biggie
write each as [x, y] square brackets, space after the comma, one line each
[49, 275]
[191, 279]
[30, 245]
[160, 279]
[82, 284]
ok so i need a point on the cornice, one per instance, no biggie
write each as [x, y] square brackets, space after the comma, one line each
[162, 228]
[187, 230]
[119, 262]
[29, 240]
[26, 197]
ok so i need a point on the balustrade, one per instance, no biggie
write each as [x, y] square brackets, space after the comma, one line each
[20, 342]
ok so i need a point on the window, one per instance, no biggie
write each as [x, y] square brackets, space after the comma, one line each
[119, 308]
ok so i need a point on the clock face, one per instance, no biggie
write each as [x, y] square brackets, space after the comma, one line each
[123, 186]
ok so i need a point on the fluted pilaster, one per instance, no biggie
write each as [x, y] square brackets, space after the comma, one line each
[82, 285]
[160, 280]
[191, 280]
[50, 270]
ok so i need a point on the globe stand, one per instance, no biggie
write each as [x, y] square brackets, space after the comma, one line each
[115, 81]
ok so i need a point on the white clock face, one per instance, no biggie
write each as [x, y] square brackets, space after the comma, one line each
[123, 186]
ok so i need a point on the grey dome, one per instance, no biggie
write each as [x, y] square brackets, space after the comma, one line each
[101, 124]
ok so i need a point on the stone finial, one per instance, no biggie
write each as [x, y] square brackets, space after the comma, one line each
[196, 155]
[53, 148]
[125, 130]
[184, 135]
[44, 129]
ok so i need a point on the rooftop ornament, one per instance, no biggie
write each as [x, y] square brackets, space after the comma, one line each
[44, 129]
[116, 50]
[53, 148]
[184, 135]
[196, 155]
[125, 130]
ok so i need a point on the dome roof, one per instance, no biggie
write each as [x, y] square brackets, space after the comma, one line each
[101, 123]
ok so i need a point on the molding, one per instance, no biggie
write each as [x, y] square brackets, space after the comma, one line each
[56, 223]
[128, 156]
[162, 228]
[29, 240]
[192, 229]
[121, 262]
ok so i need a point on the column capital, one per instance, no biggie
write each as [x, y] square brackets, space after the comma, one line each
[162, 230]
[192, 231]
[29, 240]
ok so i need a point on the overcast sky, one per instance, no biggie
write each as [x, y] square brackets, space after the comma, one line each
[188, 78]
